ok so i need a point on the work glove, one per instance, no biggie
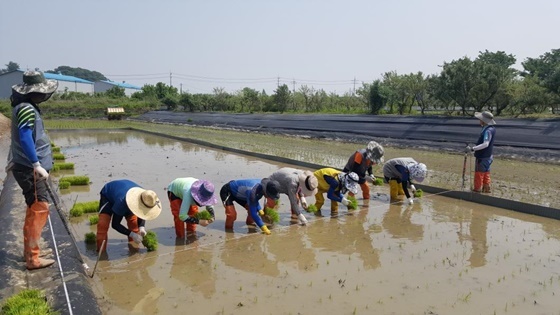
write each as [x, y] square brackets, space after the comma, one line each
[410, 200]
[370, 178]
[40, 171]
[469, 149]
[143, 231]
[265, 230]
[413, 188]
[261, 212]
[302, 219]
[303, 203]
[345, 201]
[136, 237]
[204, 222]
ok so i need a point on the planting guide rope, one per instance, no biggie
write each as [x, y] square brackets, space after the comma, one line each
[60, 267]
[259, 234]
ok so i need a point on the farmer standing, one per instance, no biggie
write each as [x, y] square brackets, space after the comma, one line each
[30, 159]
[400, 172]
[186, 195]
[124, 198]
[297, 184]
[335, 183]
[362, 161]
[483, 152]
[247, 193]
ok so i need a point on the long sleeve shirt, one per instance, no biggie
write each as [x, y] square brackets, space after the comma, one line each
[250, 191]
[328, 182]
[288, 178]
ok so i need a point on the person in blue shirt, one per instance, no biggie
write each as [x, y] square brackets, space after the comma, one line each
[30, 159]
[247, 193]
[124, 198]
[483, 152]
[400, 172]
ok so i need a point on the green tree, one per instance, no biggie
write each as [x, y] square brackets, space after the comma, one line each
[546, 68]
[250, 97]
[81, 73]
[186, 100]
[377, 99]
[10, 66]
[115, 92]
[281, 98]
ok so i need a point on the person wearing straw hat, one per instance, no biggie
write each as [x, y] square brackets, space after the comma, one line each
[124, 198]
[362, 161]
[400, 172]
[30, 159]
[483, 151]
[186, 195]
[247, 193]
[297, 184]
[335, 183]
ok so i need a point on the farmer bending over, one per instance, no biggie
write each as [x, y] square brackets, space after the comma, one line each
[335, 183]
[362, 161]
[400, 172]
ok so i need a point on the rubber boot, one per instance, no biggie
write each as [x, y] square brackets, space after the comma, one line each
[394, 189]
[35, 219]
[486, 183]
[132, 224]
[231, 216]
[249, 220]
[179, 224]
[478, 179]
[270, 203]
[365, 190]
[102, 229]
[401, 190]
[319, 202]
[334, 208]
[191, 228]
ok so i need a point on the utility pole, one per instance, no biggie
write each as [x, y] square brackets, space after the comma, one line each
[294, 83]
[181, 88]
[354, 86]
[170, 79]
[278, 82]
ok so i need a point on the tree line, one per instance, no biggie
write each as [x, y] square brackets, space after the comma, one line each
[488, 82]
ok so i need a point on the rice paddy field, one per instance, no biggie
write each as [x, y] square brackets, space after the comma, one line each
[437, 256]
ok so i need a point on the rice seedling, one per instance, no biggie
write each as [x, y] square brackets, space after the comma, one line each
[85, 207]
[93, 219]
[272, 214]
[63, 184]
[58, 156]
[150, 241]
[418, 193]
[55, 149]
[62, 166]
[76, 180]
[311, 208]
[353, 203]
[90, 238]
[378, 182]
[28, 301]
[204, 215]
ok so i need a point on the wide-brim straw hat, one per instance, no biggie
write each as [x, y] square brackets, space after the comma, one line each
[35, 82]
[202, 192]
[143, 203]
[486, 117]
[308, 183]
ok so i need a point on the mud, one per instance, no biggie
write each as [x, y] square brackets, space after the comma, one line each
[438, 256]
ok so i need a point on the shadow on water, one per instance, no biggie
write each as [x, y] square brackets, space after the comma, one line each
[438, 255]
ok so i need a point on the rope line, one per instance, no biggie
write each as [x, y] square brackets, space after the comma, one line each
[60, 266]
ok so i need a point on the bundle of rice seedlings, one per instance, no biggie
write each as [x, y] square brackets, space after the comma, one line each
[150, 241]
[272, 214]
[63, 184]
[63, 166]
[93, 219]
[86, 207]
[312, 208]
[378, 182]
[55, 149]
[58, 156]
[418, 193]
[90, 238]
[203, 215]
[76, 180]
[76, 212]
[28, 301]
[353, 203]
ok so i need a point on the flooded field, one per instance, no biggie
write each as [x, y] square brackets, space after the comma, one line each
[438, 256]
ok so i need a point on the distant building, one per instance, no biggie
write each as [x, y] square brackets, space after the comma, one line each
[66, 83]
[103, 86]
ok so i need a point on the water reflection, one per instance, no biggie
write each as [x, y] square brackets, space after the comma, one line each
[292, 248]
[194, 269]
[249, 254]
[397, 221]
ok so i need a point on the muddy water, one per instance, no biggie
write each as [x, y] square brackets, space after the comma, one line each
[438, 256]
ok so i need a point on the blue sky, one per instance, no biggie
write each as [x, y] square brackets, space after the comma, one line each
[199, 45]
